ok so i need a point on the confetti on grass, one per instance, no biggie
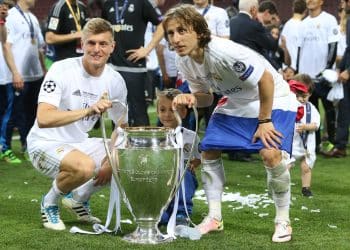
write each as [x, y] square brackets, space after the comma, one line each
[332, 226]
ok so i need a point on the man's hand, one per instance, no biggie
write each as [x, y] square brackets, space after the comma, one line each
[99, 107]
[137, 54]
[268, 135]
[17, 81]
[344, 76]
[103, 176]
[194, 163]
[188, 100]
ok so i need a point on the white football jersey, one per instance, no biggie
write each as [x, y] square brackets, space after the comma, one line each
[217, 19]
[291, 32]
[25, 51]
[230, 69]
[68, 86]
[314, 36]
[298, 150]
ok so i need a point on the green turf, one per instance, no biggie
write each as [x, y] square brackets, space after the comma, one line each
[22, 187]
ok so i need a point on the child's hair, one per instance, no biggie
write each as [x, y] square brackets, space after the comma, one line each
[169, 93]
[289, 67]
[306, 80]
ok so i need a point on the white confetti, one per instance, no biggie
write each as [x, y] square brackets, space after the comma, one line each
[102, 196]
[127, 221]
[296, 219]
[315, 210]
[332, 226]
[248, 176]
[226, 188]
[26, 183]
[33, 200]
[294, 198]
[9, 197]
[304, 208]
[266, 205]
[263, 215]
[292, 184]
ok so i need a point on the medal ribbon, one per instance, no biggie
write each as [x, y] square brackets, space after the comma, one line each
[205, 11]
[119, 16]
[305, 134]
[76, 16]
[29, 22]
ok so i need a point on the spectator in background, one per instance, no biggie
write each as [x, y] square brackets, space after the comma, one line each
[166, 59]
[343, 118]
[288, 73]
[6, 89]
[65, 21]
[291, 30]
[317, 50]
[130, 19]
[280, 56]
[267, 13]
[24, 55]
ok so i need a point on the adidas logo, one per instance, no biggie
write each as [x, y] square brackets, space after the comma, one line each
[76, 93]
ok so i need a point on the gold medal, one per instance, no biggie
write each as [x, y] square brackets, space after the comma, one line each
[117, 27]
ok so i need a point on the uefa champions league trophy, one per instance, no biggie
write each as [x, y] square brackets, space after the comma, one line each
[145, 163]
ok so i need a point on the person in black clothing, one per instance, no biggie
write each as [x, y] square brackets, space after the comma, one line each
[65, 22]
[129, 19]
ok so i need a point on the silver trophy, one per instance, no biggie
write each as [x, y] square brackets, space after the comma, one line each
[146, 163]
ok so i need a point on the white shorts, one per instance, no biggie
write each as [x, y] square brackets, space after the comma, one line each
[299, 153]
[46, 156]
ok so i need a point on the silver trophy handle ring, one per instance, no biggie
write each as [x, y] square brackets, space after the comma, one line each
[111, 157]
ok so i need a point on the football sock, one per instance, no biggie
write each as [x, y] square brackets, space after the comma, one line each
[278, 179]
[84, 192]
[213, 179]
[51, 198]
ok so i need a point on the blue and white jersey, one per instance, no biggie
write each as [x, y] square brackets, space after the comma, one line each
[233, 70]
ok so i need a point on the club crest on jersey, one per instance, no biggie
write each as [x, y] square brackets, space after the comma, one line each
[49, 86]
[131, 8]
[239, 67]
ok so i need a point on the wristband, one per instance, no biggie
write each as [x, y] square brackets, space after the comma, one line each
[264, 121]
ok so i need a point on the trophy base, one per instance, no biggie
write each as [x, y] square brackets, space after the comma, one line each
[147, 236]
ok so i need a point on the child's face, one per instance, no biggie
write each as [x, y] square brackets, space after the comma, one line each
[166, 113]
[288, 74]
[303, 97]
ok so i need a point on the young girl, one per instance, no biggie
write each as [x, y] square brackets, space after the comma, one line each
[167, 118]
[304, 142]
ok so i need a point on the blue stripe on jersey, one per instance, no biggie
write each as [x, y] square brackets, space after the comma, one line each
[247, 73]
[226, 132]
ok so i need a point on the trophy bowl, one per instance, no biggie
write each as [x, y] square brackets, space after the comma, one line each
[146, 168]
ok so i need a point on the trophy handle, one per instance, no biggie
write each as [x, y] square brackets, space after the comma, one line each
[112, 157]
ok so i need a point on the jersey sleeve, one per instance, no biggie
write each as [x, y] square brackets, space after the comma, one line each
[222, 26]
[246, 64]
[333, 31]
[54, 19]
[151, 13]
[51, 88]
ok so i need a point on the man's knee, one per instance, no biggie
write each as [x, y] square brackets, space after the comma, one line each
[271, 157]
[81, 168]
